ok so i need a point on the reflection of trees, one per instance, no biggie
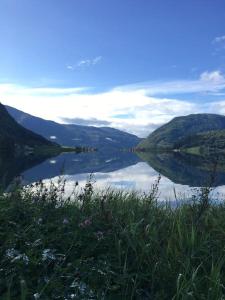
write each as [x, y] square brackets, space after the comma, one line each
[192, 170]
[11, 167]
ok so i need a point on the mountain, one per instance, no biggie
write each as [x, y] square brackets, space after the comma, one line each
[14, 138]
[76, 135]
[182, 129]
[204, 142]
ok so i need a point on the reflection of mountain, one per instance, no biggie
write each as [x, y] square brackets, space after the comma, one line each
[186, 169]
[13, 167]
[71, 164]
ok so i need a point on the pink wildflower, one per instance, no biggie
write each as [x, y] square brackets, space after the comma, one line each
[86, 223]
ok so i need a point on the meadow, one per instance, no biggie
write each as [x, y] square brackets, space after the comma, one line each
[109, 245]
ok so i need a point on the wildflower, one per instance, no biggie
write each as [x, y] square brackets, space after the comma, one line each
[22, 257]
[65, 221]
[11, 253]
[39, 221]
[99, 235]
[86, 223]
[80, 285]
[15, 255]
[48, 254]
[36, 296]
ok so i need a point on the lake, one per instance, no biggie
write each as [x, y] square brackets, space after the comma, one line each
[180, 174]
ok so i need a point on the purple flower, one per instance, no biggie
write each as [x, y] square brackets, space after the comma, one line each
[86, 223]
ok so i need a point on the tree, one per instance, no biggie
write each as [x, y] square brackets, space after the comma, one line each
[7, 147]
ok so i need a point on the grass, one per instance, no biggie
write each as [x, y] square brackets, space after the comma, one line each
[110, 245]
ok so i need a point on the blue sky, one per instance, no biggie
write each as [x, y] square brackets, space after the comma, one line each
[133, 64]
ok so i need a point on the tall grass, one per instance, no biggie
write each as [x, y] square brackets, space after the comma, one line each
[109, 245]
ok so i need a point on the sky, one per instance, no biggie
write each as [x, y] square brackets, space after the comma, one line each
[128, 64]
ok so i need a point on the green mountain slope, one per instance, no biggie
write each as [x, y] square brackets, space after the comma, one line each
[204, 142]
[16, 139]
[182, 130]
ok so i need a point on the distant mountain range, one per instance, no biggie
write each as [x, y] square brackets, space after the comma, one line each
[76, 135]
[196, 132]
[16, 139]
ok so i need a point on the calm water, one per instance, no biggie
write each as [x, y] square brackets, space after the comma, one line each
[122, 170]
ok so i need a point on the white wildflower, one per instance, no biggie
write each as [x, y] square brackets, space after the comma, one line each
[23, 257]
[48, 255]
[11, 253]
[39, 221]
[80, 285]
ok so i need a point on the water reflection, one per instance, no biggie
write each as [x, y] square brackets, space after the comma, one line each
[10, 168]
[188, 169]
[82, 163]
[122, 170]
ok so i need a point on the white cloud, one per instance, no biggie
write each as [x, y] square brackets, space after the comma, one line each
[217, 107]
[84, 63]
[207, 82]
[219, 39]
[96, 60]
[219, 44]
[70, 67]
[45, 91]
[89, 62]
[213, 77]
[135, 108]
